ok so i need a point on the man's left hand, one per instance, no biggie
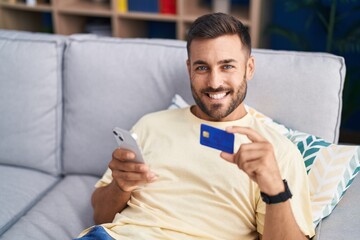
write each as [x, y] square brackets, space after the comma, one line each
[257, 160]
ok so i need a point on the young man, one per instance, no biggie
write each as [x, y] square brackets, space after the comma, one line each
[195, 192]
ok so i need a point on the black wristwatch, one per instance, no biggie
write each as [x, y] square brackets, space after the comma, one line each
[281, 197]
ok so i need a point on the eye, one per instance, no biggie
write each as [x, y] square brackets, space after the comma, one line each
[227, 67]
[201, 68]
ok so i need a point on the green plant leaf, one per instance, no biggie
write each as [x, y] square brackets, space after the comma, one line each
[322, 19]
[295, 5]
[322, 12]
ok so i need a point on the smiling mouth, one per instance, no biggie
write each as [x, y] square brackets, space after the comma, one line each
[217, 96]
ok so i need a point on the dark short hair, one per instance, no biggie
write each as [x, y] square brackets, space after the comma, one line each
[214, 25]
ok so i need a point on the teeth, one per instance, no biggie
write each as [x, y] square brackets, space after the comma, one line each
[217, 96]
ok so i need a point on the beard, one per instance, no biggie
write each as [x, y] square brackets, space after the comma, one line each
[217, 111]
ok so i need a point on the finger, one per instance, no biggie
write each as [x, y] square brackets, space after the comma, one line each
[251, 169]
[128, 166]
[245, 154]
[132, 167]
[242, 157]
[252, 146]
[228, 157]
[133, 176]
[129, 186]
[251, 165]
[123, 155]
[250, 133]
[253, 150]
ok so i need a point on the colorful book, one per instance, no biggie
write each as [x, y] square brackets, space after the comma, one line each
[167, 6]
[122, 6]
[143, 6]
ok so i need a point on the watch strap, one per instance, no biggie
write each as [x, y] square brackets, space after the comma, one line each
[281, 197]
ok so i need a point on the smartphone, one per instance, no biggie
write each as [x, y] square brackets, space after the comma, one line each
[126, 140]
[217, 138]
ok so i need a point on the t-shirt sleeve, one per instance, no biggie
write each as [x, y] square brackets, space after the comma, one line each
[293, 170]
[105, 179]
[299, 186]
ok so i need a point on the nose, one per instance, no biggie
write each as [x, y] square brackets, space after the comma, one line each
[215, 80]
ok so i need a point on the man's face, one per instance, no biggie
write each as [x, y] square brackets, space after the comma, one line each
[219, 69]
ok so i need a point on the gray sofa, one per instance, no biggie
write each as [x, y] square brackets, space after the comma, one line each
[61, 96]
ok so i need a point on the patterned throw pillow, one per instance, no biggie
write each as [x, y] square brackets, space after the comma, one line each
[331, 168]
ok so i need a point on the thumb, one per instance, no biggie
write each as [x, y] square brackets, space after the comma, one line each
[227, 156]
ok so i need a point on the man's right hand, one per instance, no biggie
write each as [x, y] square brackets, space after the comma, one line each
[127, 173]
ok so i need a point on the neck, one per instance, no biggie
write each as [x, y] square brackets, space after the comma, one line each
[237, 114]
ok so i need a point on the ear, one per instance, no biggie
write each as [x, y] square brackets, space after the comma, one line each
[250, 68]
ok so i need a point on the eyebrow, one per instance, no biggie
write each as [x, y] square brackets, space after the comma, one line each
[226, 61]
[201, 62]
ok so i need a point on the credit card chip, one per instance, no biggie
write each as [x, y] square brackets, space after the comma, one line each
[206, 134]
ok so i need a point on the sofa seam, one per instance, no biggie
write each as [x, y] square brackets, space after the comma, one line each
[340, 92]
[139, 42]
[50, 41]
[60, 110]
[297, 53]
[64, 76]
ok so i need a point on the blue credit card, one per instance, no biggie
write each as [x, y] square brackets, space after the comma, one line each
[216, 138]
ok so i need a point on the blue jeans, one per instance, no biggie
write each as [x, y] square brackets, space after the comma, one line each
[96, 233]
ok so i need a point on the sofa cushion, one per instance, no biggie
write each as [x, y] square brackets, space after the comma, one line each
[20, 189]
[62, 214]
[30, 100]
[113, 82]
[308, 90]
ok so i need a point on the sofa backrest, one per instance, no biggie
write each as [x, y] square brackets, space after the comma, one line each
[31, 100]
[112, 82]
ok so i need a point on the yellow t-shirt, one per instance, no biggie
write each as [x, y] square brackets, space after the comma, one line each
[198, 195]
